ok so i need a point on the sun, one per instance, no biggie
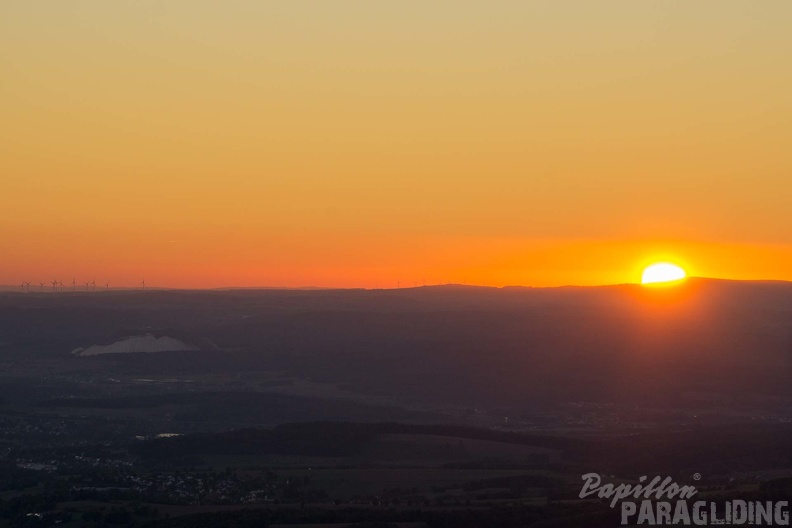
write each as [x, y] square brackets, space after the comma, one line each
[662, 272]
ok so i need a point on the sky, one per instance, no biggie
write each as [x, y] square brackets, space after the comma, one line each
[196, 143]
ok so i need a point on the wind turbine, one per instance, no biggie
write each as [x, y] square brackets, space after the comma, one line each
[93, 285]
[22, 287]
[41, 286]
[74, 285]
[86, 285]
[143, 285]
[54, 285]
[28, 286]
[107, 286]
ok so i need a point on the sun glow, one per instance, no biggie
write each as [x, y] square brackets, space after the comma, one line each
[662, 272]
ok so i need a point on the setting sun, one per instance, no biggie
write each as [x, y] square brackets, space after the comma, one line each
[662, 272]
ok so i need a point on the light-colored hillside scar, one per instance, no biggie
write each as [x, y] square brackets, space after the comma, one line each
[144, 343]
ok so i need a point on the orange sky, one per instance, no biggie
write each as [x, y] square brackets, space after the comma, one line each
[204, 144]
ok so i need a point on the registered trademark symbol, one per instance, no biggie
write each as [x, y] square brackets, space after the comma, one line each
[696, 476]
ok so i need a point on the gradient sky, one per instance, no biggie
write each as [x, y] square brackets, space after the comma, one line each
[204, 143]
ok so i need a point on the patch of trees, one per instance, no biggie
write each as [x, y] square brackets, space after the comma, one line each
[12, 477]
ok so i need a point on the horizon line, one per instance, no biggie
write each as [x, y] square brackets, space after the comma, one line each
[5, 288]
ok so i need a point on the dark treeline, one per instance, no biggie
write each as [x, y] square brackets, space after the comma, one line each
[323, 439]
[14, 512]
[247, 407]
[514, 482]
[554, 515]
[511, 516]
[13, 477]
[706, 449]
